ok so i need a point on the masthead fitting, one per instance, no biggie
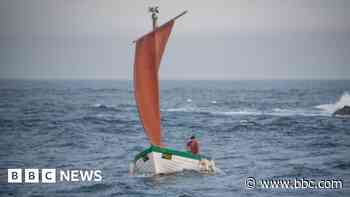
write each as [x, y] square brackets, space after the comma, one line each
[154, 11]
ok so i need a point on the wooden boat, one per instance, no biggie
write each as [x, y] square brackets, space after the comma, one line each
[158, 159]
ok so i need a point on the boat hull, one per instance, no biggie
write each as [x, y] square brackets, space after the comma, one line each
[157, 160]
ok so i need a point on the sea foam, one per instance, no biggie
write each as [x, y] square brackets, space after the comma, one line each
[332, 107]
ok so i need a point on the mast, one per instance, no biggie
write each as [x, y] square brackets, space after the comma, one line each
[154, 10]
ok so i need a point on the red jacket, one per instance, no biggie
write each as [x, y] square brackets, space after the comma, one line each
[193, 146]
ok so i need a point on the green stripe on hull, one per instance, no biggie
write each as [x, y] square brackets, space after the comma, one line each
[168, 151]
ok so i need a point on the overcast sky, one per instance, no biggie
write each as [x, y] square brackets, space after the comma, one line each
[221, 39]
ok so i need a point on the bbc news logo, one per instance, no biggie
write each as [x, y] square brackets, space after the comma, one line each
[52, 175]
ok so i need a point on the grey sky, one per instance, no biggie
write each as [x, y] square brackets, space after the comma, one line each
[222, 39]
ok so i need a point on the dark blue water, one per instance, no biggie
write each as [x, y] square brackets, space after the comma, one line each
[262, 129]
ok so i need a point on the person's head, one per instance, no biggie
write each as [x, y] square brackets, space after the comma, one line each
[193, 137]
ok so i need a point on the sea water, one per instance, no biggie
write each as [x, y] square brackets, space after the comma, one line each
[261, 129]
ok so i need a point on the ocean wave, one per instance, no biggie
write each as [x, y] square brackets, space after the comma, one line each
[332, 107]
[295, 112]
[181, 109]
[238, 112]
[104, 106]
[106, 118]
[252, 112]
[88, 188]
[197, 110]
[120, 107]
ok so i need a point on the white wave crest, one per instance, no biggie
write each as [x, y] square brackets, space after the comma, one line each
[251, 112]
[103, 106]
[97, 105]
[228, 113]
[182, 109]
[332, 107]
[295, 112]
[238, 112]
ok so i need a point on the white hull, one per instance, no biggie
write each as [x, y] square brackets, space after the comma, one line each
[165, 163]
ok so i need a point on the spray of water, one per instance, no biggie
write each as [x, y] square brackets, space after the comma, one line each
[332, 107]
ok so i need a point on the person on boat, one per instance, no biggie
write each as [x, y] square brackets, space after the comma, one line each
[193, 145]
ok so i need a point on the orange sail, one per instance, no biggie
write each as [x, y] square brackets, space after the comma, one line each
[149, 51]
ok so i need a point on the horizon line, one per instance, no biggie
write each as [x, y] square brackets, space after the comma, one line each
[173, 79]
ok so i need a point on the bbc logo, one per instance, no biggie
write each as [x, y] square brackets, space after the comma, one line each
[31, 176]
